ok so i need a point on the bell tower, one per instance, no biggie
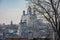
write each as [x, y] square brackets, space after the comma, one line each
[29, 10]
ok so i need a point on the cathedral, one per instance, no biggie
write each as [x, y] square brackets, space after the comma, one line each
[27, 21]
[31, 27]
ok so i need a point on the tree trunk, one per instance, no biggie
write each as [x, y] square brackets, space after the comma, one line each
[56, 36]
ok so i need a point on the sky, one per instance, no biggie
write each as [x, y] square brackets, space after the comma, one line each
[11, 10]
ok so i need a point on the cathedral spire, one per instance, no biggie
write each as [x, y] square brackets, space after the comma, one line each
[29, 10]
[23, 12]
[34, 11]
[11, 22]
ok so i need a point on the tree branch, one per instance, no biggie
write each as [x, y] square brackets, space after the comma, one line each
[56, 12]
[48, 19]
[45, 10]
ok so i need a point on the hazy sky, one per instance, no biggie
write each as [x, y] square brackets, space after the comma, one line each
[11, 10]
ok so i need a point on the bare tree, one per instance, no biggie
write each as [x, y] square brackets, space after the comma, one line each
[50, 10]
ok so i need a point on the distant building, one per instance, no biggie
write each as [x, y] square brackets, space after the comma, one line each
[11, 31]
[1, 34]
[8, 31]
